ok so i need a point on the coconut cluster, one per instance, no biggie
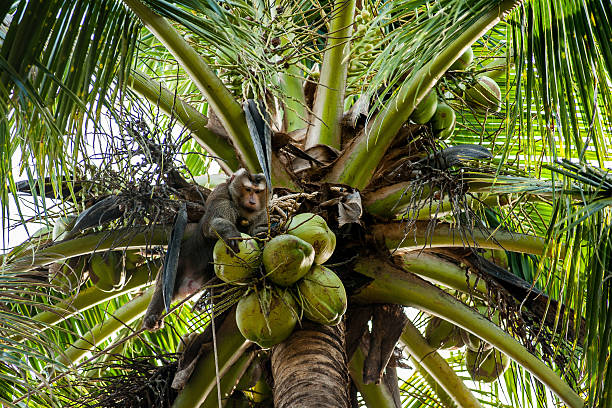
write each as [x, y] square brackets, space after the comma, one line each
[483, 96]
[483, 362]
[297, 285]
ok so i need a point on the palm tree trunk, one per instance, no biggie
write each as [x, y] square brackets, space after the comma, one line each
[310, 368]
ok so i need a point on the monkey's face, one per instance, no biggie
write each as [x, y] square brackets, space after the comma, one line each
[253, 196]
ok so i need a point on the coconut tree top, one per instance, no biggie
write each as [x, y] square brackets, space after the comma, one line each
[456, 150]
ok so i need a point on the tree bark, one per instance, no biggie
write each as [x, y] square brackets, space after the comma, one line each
[310, 368]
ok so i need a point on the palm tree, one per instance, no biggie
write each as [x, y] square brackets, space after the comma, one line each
[507, 240]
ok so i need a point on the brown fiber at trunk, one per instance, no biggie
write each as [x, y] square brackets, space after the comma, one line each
[310, 368]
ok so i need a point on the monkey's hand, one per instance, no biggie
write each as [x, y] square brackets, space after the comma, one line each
[231, 244]
[152, 322]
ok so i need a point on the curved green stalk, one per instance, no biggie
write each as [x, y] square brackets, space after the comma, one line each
[227, 109]
[360, 160]
[437, 367]
[125, 238]
[215, 144]
[374, 395]
[394, 199]
[229, 381]
[329, 98]
[392, 285]
[395, 236]
[440, 271]
[92, 296]
[398, 198]
[204, 378]
[295, 112]
[445, 399]
[123, 316]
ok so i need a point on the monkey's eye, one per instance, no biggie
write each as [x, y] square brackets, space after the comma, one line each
[248, 190]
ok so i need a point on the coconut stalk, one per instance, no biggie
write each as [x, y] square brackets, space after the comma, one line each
[90, 297]
[295, 112]
[357, 165]
[120, 239]
[120, 318]
[374, 395]
[440, 271]
[434, 365]
[204, 378]
[329, 97]
[445, 399]
[218, 96]
[229, 381]
[215, 144]
[395, 236]
[392, 285]
[395, 199]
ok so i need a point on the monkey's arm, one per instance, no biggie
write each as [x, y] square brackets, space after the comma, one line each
[220, 222]
[151, 320]
[260, 224]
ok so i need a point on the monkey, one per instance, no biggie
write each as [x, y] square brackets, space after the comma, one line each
[238, 205]
[235, 206]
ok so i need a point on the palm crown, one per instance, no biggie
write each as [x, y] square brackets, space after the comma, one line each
[507, 236]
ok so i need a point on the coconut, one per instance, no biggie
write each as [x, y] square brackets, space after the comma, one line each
[287, 259]
[266, 317]
[484, 95]
[237, 268]
[441, 334]
[425, 110]
[106, 270]
[473, 342]
[443, 121]
[323, 296]
[464, 60]
[314, 230]
[486, 366]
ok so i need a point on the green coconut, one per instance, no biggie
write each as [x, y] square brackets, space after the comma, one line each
[484, 95]
[443, 121]
[425, 110]
[287, 259]
[464, 60]
[473, 342]
[106, 270]
[486, 366]
[237, 268]
[314, 230]
[498, 67]
[323, 296]
[441, 334]
[266, 317]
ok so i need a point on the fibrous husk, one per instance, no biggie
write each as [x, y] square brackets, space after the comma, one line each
[267, 316]
[443, 121]
[441, 334]
[314, 230]
[237, 268]
[464, 60]
[323, 296]
[484, 96]
[425, 110]
[287, 259]
[486, 366]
